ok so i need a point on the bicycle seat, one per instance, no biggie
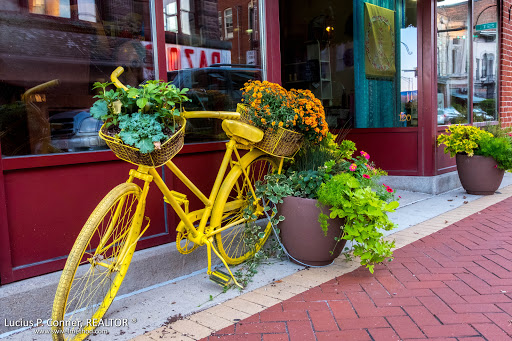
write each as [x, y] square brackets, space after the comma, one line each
[242, 130]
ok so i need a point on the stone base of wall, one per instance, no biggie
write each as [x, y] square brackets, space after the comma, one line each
[425, 184]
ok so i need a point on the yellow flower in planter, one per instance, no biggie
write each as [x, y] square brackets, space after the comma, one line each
[462, 139]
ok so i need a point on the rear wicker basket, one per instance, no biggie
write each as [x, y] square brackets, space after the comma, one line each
[277, 141]
[156, 158]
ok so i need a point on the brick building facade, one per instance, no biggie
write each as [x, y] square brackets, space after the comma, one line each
[505, 93]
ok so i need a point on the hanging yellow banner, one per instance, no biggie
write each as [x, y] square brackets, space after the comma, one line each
[379, 41]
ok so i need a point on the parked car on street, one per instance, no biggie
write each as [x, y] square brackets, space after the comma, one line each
[76, 130]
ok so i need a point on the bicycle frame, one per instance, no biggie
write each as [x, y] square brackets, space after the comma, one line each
[202, 234]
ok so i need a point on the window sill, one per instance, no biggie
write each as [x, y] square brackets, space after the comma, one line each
[61, 159]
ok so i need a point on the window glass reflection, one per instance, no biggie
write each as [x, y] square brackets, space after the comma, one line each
[52, 53]
[56, 8]
[452, 62]
[409, 65]
[485, 64]
[212, 48]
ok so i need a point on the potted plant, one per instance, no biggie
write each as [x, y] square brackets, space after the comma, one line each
[322, 207]
[481, 157]
[142, 125]
[286, 117]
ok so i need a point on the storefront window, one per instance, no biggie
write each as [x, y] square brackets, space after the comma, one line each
[323, 49]
[317, 53]
[452, 62]
[461, 95]
[485, 61]
[212, 48]
[51, 54]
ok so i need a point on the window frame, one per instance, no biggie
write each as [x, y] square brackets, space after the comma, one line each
[476, 65]
[228, 35]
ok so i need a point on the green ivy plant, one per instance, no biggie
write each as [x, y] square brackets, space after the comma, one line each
[144, 114]
[365, 215]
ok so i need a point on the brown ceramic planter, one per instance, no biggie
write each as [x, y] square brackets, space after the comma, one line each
[302, 235]
[479, 174]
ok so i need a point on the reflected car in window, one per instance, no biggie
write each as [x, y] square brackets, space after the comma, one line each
[217, 87]
[480, 116]
[448, 115]
[75, 130]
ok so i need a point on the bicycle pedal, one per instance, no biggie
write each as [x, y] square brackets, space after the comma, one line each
[221, 278]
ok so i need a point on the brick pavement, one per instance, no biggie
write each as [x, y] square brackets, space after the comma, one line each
[455, 284]
[451, 280]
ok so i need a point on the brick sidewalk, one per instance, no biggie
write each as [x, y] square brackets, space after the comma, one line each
[450, 280]
[455, 284]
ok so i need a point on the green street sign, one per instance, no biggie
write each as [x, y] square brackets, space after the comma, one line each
[488, 26]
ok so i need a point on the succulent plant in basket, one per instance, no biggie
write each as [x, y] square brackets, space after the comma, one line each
[143, 117]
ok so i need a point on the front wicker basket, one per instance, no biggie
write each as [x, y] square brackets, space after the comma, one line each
[156, 158]
[278, 141]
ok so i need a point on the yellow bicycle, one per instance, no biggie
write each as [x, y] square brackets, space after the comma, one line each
[101, 255]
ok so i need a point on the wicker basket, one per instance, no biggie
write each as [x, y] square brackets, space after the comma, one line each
[156, 158]
[278, 141]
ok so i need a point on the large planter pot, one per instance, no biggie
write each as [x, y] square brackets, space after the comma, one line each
[302, 235]
[479, 174]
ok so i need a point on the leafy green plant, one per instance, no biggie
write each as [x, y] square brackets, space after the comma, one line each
[500, 148]
[489, 106]
[497, 130]
[365, 215]
[146, 114]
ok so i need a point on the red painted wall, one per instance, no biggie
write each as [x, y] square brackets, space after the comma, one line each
[395, 150]
[47, 206]
[505, 95]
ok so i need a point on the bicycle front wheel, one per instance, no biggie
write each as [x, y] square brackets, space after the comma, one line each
[97, 264]
[246, 236]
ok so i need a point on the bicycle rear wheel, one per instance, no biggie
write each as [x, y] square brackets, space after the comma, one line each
[97, 264]
[247, 235]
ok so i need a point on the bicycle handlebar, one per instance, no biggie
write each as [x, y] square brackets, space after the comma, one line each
[117, 72]
[39, 88]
